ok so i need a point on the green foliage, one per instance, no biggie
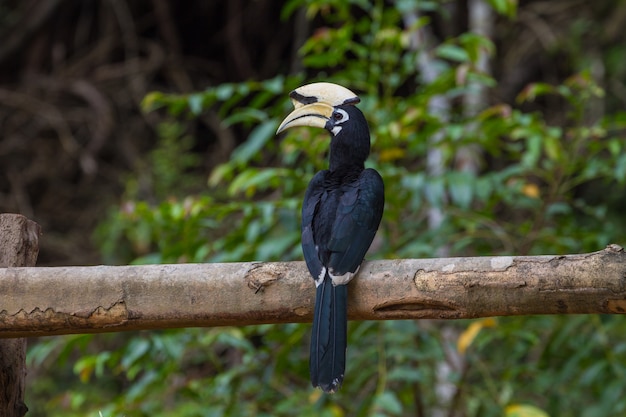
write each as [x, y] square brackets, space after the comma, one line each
[535, 187]
[574, 364]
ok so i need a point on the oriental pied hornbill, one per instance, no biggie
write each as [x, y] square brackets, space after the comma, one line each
[342, 209]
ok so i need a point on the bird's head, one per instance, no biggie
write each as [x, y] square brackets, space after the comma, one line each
[324, 105]
[332, 107]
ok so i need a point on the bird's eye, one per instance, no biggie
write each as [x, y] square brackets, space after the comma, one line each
[337, 116]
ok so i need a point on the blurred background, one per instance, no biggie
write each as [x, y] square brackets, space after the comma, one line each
[142, 132]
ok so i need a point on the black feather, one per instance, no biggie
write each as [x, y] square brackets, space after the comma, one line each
[329, 336]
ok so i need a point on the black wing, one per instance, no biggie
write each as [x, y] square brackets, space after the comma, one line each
[310, 206]
[357, 219]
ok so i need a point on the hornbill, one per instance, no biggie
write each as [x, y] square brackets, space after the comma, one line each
[341, 212]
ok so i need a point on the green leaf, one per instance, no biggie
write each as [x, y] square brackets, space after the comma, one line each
[533, 151]
[257, 139]
[245, 115]
[275, 85]
[476, 45]
[224, 92]
[620, 168]
[552, 145]
[388, 403]
[484, 189]
[152, 101]
[452, 53]
[222, 172]
[461, 188]
[435, 191]
[534, 90]
[251, 180]
[505, 7]
[137, 348]
[195, 103]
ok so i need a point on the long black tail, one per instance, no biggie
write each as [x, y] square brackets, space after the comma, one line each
[329, 337]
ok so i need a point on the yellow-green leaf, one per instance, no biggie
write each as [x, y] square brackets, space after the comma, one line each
[524, 410]
[467, 337]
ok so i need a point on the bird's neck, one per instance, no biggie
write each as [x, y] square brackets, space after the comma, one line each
[348, 154]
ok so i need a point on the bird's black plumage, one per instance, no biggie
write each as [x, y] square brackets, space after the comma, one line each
[341, 212]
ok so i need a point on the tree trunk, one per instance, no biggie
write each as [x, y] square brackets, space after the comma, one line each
[19, 246]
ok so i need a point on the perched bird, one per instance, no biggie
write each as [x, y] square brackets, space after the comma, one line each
[341, 212]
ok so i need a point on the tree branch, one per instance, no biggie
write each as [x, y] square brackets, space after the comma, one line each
[64, 300]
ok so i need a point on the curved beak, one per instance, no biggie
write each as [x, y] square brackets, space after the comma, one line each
[315, 115]
[314, 104]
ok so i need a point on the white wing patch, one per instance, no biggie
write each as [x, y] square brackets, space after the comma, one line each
[343, 279]
[320, 278]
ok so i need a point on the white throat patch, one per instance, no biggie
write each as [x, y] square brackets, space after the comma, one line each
[340, 116]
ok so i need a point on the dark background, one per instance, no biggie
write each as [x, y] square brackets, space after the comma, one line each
[73, 73]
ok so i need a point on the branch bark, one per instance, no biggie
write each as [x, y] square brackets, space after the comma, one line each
[64, 300]
[19, 246]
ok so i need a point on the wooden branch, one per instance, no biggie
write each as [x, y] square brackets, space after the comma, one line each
[19, 246]
[62, 300]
